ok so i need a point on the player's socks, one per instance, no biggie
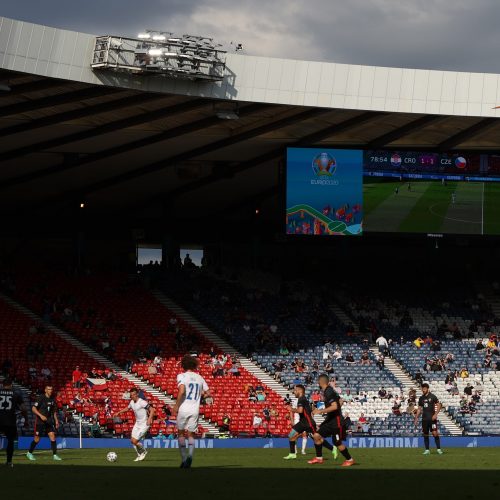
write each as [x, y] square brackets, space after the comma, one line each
[437, 440]
[327, 445]
[293, 447]
[304, 446]
[10, 451]
[346, 454]
[319, 450]
[32, 447]
[139, 448]
[182, 448]
[191, 447]
[426, 442]
[53, 447]
[335, 453]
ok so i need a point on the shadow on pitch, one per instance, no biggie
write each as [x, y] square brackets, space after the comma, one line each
[232, 481]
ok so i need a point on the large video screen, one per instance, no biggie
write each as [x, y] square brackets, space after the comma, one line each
[324, 194]
[422, 192]
[348, 192]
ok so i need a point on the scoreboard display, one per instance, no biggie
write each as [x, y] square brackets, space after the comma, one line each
[411, 160]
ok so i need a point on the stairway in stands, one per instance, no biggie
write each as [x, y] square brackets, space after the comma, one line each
[246, 363]
[104, 361]
[408, 383]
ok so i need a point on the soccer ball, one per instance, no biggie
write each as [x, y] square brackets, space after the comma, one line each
[112, 456]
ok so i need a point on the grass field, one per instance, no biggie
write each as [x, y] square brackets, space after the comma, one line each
[428, 207]
[255, 473]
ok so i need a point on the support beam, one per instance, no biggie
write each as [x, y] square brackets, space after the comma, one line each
[163, 136]
[75, 114]
[467, 134]
[396, 134]
[113, 126]
[55, 100]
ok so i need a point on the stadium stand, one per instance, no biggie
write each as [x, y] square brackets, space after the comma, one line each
[123, 321]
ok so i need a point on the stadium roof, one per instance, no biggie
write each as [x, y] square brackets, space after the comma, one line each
[132, 144]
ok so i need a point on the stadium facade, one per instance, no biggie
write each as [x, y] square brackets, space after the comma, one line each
[58, 53]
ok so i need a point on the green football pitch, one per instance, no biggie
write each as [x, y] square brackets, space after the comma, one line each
[255, 473]
[429, 208]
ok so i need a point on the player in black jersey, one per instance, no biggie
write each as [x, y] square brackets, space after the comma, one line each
[429, 407]
[46, 422]
[10, 402]
[332, 425]
[306, 423]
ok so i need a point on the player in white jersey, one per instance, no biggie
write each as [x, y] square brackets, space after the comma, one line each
[144, 414]
[192, 387]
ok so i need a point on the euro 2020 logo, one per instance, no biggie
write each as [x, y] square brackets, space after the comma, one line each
[324, 164]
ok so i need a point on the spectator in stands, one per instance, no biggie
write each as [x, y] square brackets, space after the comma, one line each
[419, 378]
[365, 359]
[411, 408]
[381, 361]
[226, 422]
[328, 368]
[412, 396]
[363, 424]
[419, 342]
[382, 393]
[47, 374]
[464, 373]
[77, 377]
[316, 398]
[350, 359]
[476, 397]
[337, 354]
[468, 390]
[382, 344]
[487, 361]
[396, 406]
[256, 423]
[480, 346]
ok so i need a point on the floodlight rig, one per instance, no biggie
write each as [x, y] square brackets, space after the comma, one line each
[189, 57]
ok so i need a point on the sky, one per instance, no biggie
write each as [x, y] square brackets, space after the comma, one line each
[461, 35]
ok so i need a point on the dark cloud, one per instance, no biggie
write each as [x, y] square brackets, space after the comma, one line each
[437, 34]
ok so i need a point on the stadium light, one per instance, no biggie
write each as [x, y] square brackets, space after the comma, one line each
[189, 56]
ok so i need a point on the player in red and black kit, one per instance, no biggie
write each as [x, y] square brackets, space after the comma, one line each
[46, 422]
[429, 407]
[10, 402]
[332, 425]
[306, 422]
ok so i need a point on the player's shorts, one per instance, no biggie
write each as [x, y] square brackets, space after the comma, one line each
[187, 421]
[9, 431]
[331, 428]
[43, 428]
[139, 431]
[301, 427]
[429, 426]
